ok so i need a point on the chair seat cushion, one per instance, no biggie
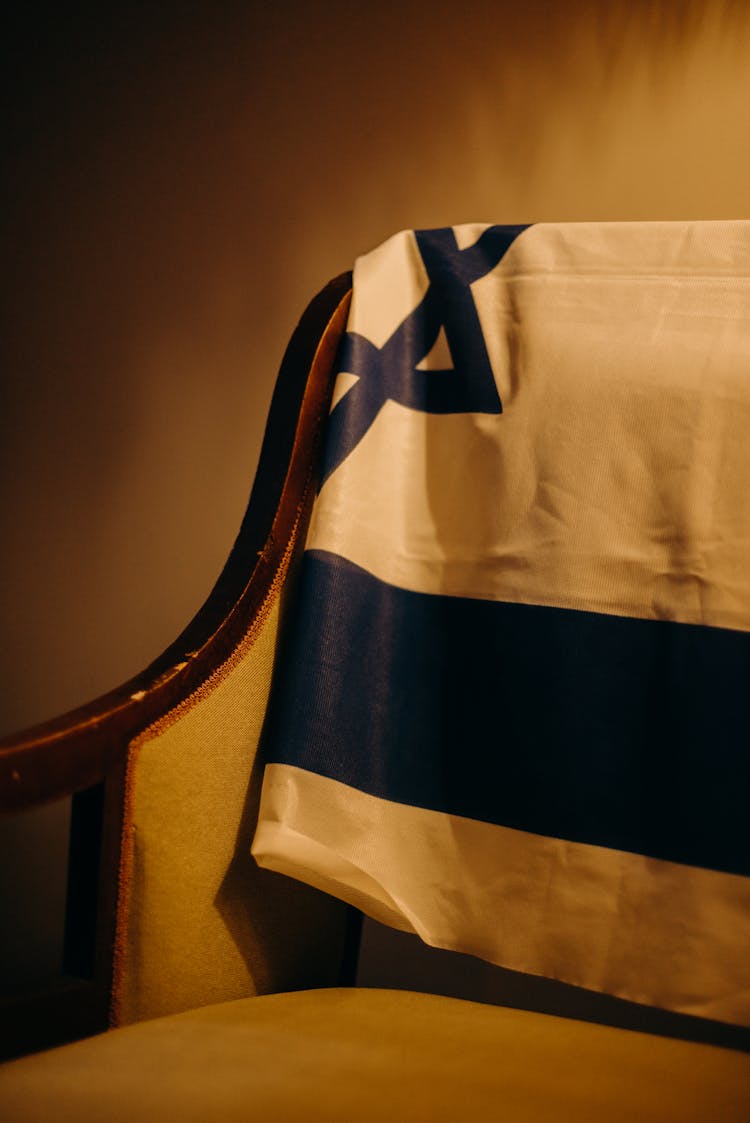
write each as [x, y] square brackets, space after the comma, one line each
[345, 1054]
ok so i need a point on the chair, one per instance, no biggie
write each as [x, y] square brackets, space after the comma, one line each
[231, 987]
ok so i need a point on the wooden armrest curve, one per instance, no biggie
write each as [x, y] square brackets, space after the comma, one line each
[77, 750]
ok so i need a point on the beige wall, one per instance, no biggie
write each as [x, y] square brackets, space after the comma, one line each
[180, 186]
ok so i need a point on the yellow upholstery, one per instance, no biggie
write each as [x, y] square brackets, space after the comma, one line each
[363, 1055]
[199, 922]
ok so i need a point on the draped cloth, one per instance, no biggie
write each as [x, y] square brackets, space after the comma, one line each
[510, 711]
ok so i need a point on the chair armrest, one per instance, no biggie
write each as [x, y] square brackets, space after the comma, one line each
[78, 750]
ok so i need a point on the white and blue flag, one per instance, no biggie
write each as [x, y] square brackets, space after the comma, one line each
[511, 712]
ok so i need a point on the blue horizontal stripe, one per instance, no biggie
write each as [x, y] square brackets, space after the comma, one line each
[600, 729]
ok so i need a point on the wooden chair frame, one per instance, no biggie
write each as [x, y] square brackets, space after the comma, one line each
[83, 754]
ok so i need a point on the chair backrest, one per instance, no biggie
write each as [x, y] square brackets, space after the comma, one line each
[166, 909]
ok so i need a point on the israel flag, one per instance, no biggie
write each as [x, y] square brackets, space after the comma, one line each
[511, 714]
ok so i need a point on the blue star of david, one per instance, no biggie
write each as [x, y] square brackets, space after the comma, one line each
[389, 373]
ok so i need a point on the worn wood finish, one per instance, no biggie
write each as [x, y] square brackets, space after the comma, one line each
[84, 753]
